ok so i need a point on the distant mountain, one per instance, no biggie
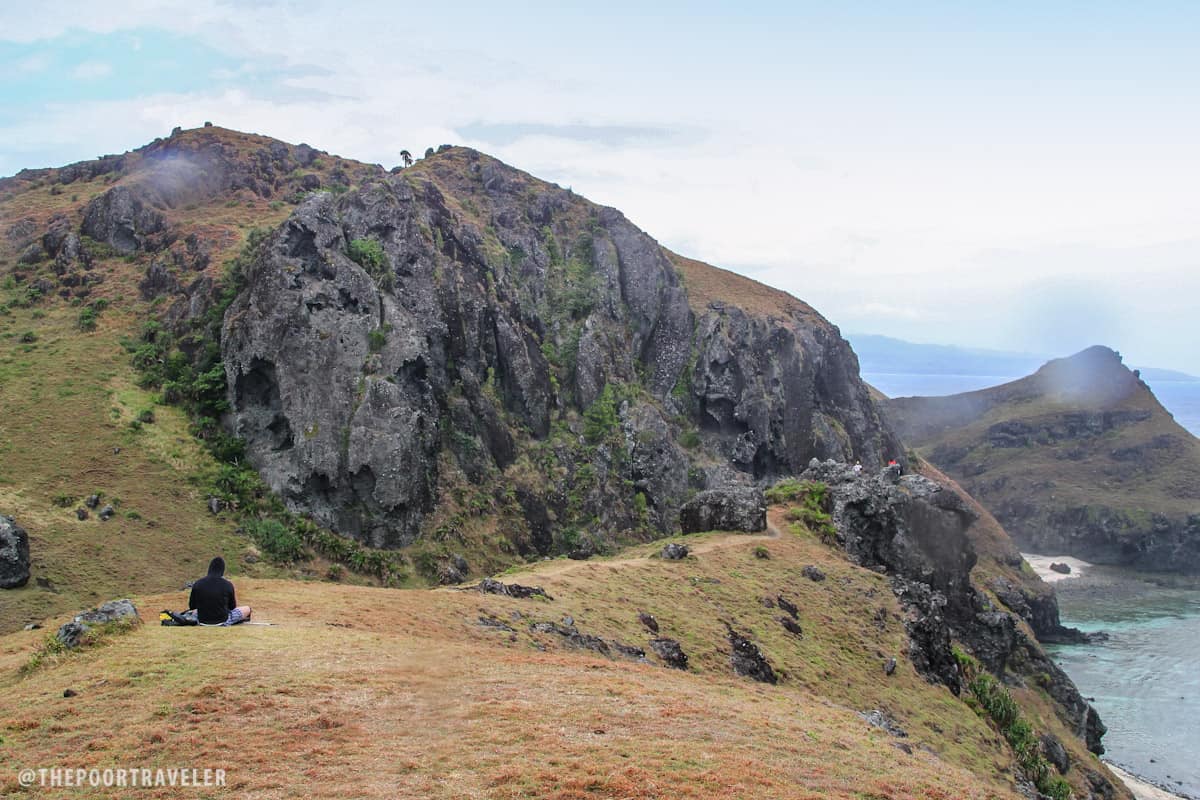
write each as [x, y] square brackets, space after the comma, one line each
[885, 355]
[1079, 458]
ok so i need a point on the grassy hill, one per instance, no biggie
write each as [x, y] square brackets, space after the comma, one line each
[370, 692]
[1079, 458]
[70, 400]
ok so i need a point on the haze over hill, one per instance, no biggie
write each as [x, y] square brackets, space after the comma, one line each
[1078, 458]
[223, 341]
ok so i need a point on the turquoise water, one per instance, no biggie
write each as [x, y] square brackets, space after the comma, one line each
[1181, 398]
[1145, 679]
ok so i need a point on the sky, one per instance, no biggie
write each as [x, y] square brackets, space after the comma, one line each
[1018, 175]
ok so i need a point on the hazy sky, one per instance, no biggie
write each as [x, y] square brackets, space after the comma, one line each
[1019, 175]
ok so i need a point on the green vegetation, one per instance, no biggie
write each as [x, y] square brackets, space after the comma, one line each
[998, 704]
[281, 543]
[376, 339]
[813, 508]
[368, 254]
[600, 420]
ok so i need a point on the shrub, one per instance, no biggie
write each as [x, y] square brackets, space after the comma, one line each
[368, 254]
[87, 319]
[600, 419]
[279, 542]
[690, 439]
[376, 340]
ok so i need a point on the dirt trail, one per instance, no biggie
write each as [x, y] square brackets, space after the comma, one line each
[561, 566]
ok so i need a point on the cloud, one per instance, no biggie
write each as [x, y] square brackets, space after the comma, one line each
[503, 134]
[885, 312]
[91, 70]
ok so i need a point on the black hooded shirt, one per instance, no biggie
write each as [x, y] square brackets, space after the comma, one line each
[212, 596]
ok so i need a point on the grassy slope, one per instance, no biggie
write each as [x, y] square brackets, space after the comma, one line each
[66, 401]
[382, 693]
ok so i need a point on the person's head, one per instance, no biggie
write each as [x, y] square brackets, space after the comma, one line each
[216, 567]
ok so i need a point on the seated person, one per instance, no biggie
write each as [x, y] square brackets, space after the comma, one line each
[213, 598]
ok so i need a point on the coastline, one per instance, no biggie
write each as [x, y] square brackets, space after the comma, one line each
[1141, 789]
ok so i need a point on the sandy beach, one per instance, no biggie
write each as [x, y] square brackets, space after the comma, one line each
[1041, 565]
[1142, 790]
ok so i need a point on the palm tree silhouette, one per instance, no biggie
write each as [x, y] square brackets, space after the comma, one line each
[406, 157]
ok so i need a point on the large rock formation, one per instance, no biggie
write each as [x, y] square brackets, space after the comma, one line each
[461, 319]
[1079, 458]
[916, 530]
[14, 554]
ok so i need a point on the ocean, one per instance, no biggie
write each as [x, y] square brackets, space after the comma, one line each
[1181, 398]
[1146, 678]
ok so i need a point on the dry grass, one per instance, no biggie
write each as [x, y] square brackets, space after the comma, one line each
[708, 284]
[366, 693]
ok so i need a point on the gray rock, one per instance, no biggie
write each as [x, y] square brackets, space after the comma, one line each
[215, 505]
[731, 508]
[107, 513]
[670, 652]
[791, 626]
[92, 501]
[14, 554]
[675, 552]
[649, 621]
[748, 661]
[1054, 752]
[813, 573]
[121, 219]
[889, 666]
[81, 513]
[492, 586]
[884, 721]
[1062, 569]
[348, 425]
[72, 634]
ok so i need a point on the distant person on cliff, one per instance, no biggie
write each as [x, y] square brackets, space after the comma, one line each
[213, 598]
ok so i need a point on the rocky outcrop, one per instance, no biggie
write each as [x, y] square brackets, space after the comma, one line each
[915, 530]
[441, 324]
[122, 220]
[729, 508]
[14, 554]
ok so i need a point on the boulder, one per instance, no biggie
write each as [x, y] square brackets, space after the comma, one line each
[1062, 569]
[14, 554]
[748, 661]
[1055, 753]
[122, 220]
[670, 652]
[675, 552]
[114, 611]
[813, 573]
[730, 508]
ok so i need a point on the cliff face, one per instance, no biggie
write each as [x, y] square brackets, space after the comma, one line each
[923, 533]
[1079, 459]
[462, 323]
